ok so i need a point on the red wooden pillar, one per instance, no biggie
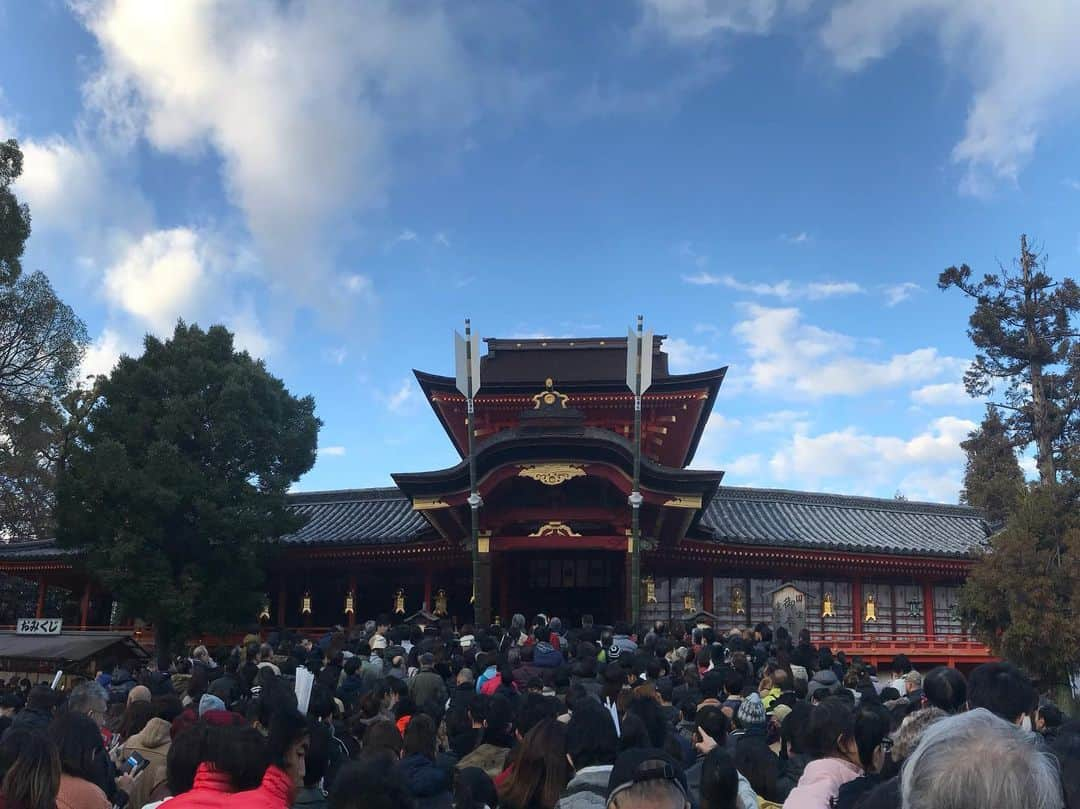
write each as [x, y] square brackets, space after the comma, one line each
[427, 588]
[42, 590]
[352, 590]
[856, 608]
[84, 606]
[708, 602]
[928, 609]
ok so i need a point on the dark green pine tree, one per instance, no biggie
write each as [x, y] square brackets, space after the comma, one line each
[14, 216]
[993, 480]
[175, 484]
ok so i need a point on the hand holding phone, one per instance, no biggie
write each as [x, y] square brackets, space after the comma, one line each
[135, 763]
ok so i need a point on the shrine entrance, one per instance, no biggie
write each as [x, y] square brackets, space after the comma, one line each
[563, 583]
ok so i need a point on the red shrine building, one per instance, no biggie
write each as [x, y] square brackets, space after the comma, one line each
[554, 457]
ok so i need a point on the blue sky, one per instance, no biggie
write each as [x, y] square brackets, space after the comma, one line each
[775, 184]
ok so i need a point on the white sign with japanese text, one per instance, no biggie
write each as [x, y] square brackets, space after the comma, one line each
[38, 626]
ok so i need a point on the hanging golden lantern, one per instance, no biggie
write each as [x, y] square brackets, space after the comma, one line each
[738, 601]
[305, 603]
[650, 590]
[350, 603]
[399, 602]
[441, 603]
[688, 602]
[871, 609]
[914, 608]
[827, 606]
[496, 620]
[264, 611]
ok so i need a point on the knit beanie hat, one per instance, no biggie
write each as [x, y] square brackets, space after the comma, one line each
[208, 702]
[752, 712]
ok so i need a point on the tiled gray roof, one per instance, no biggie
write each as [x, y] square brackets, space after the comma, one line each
[356, 516]
[34, 551]
[838, 522]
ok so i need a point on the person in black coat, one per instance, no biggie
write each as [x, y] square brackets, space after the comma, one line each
[427, 782]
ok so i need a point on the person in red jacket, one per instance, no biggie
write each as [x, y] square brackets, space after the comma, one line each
[288, 743]
[207, 763]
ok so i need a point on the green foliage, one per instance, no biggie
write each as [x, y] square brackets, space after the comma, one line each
[1022, 329]
[1023, 596]
[14, 217]
[993, 480]
[178, 478]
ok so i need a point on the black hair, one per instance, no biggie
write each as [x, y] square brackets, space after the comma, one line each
[317, 760]
[712, 684]
[1066, 749]
[474, 789]
[286, 729]
[759, 766]
[1002, 689]
[321, 702]
[734, 682]
[534, 710]
[420, 736]
[656, 724]
[945, 688]
[591, 738]
[901, 664]
[78, 741]
[239, 751]
[719, 781]
[713, 721]
[371, 782]
[872, 724]
[793, 729]
[500, 714]
[831, 720]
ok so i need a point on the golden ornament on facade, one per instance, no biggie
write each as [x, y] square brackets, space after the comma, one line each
[552, 474]
[555, 528]
[440, 603]
[399, 602]
[684, 501]
[350, 603]
[827, 606]
[549, 397]
[650, 590]
[871, 609]
[689, 603]
[305, 604]
[738, 601]
[264, 612]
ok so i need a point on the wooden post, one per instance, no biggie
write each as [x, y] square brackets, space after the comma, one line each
[504, 587]
[352, 589]
[708, 602]
[282, 595]
[42, 590]
[427, 588]
[84, 606]
[928, 609]
[483, 582]
[856, 608]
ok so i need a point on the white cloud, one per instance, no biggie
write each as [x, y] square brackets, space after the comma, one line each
[336, 355]
[336, 451]
[802, 237]
[943, 393]
[785, 290]
[685, 357]
[301, 150]
[62, 182]
[781, 421]
[102, 355]
[442, 238]
[159, 278]
[713, 447]
[792, 358]
[898, 293]
[248, 334]
[1021, 59]
[1071, 182]
[874, 461]
[687, 251]
[397, 400]
[403, 237]
[696, 20]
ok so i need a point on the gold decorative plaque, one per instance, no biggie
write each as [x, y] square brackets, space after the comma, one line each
[552, 474]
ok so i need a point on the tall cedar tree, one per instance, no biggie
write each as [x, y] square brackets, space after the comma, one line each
[176, 483]
[1023, 595]
[1022, 329]
[993, 480]
[14, 216]
[41, 345]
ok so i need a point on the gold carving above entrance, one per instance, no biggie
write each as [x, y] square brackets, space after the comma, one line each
[555, 528]
[552, 474]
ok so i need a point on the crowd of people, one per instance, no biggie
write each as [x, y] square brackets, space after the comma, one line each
[536, 716]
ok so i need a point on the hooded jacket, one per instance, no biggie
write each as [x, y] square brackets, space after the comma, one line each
[209, 791]
[78, 793]
[821, 782]
[547, 656]
[152, 743]
[488, 757]
[427, 782]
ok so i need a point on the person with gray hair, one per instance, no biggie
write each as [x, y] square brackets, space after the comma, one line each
[89, 698]
[974, 760]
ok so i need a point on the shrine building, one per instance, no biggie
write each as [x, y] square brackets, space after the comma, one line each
[554, 459]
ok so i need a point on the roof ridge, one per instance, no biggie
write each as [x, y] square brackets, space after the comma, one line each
[845, 501]
[343, 495]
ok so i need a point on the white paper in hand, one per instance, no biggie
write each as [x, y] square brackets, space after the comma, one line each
[56, 679]
[304, 682]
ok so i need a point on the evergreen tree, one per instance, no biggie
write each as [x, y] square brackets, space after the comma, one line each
[175, 483]
[993, 480]
[1022, 329]
[14, 216]
[1023, 595]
